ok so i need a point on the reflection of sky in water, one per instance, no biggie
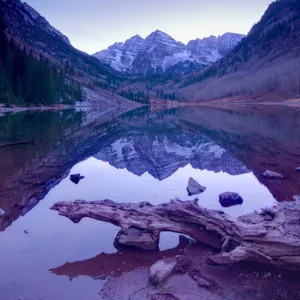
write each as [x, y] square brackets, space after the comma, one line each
[106, 182]
[53, 240]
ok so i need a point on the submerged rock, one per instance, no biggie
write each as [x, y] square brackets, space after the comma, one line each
[272, 175]
[194, 188]
[160, 271]
[230, 199]
[137, 238]
[75, 178]
[2, 212]
[298, 170]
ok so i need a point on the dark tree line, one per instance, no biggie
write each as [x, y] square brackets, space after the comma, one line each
[166, 96]
[138, 96]
[28, 79]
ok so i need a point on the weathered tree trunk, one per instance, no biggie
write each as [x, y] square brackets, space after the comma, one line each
[270, 237]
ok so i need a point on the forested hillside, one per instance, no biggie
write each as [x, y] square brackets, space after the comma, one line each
[30, 79]
[267, 60]
[32, 30]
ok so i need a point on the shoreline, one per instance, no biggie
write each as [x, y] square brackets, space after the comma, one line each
[246, 101]
[216, 103]
[16, 109]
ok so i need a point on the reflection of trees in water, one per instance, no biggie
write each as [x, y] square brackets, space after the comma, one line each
[30, 170]
[262, 138]
[42, 125]
[144, 113]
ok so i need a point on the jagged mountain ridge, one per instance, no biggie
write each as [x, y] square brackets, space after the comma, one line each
[34, 16]
[26, 26]
[159, 52]
[162, 155]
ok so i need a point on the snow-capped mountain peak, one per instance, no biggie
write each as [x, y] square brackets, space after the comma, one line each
[160, 53]
[121, 55]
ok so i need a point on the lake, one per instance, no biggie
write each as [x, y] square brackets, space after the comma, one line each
[143, 155]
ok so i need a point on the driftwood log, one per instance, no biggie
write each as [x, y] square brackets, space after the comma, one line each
[269, 237]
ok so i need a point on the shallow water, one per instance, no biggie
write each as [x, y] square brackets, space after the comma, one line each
[141, 156]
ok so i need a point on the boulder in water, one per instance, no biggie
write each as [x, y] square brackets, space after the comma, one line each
[141, 239]
[194, 188]
[272, 175]
[75, 178]
[298, 170]
[230, 199]
[2, 212]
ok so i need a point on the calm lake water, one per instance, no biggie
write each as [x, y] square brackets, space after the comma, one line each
[144, 155]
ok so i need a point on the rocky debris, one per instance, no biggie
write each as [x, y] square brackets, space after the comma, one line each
[296, 197]
[141, 239]
[75, 178]
[160, 271]
[272, 175]
[230, 199]
[298, 170]
[163, 296]
[194, 188]
[201, 280]
[182, 264]
[2, 212]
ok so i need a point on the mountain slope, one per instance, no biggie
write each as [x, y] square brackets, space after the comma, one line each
[159, 53]
[265, 61]
[28, 28]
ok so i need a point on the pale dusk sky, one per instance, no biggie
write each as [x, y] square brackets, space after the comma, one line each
[93, 25]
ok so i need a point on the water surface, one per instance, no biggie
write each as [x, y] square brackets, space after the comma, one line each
[143, 155]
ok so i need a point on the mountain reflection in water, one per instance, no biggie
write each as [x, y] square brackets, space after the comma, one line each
[140, 156]
[159, 143]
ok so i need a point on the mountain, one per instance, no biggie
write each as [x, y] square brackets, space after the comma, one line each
[159, 53]
[121, 55]
[34, 16]
[28, 28]
[266, 61]
[213, 48]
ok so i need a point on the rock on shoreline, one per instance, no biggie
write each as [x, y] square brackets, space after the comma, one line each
[272, 175]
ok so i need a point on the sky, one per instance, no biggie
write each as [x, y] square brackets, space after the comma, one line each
[93, 25]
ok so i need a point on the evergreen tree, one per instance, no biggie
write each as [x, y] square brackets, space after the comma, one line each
[27, 79]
